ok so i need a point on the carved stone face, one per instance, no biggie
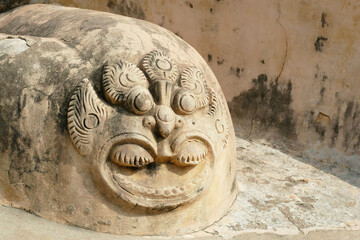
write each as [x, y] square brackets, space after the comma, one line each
[144, 146]
[154, 141]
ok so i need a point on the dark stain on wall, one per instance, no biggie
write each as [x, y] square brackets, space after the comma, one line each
[322, 91]
[267, 104]
[189, 4]
[335, 130]
[6, 5]
[351, 127]
[220, 61]
[236, 71]
[323, 20]
[322, 77]
[130, 9]
[209, 57]
[319, 43]
[340, 130]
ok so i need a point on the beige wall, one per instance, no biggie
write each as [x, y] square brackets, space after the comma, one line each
[292, 66]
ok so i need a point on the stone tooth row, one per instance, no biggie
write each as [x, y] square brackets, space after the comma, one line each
[160, 192]
[126, 159]
[191, 159]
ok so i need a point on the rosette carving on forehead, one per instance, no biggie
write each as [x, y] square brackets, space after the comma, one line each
[158, 66]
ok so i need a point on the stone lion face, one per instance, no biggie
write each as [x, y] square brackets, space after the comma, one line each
[154, 141]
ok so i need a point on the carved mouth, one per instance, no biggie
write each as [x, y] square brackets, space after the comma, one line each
[127, 168]
[191, 152]
[130, 155]
[164, 192]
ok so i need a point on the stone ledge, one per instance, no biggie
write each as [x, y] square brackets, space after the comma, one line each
[281, 197]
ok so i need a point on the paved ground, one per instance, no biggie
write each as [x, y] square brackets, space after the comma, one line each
[283, 195]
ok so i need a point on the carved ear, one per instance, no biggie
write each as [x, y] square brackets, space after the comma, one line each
[119, 78]
[86, 112]
[193, 80]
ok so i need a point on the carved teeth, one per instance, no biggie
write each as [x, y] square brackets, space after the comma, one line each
[191, 153]
[130, 155]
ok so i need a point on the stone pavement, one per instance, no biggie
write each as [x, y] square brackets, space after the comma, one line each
[283, 194]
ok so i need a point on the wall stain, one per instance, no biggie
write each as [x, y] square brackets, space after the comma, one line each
[323, 20]
[127, 8]
[322, 77]
[220, 61]
[340, 130]
[189, 4]
[321, 123]
[319, 43]
[266, 103]
[7, 5]
[236, 71]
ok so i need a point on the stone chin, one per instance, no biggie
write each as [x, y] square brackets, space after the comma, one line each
[128, 168]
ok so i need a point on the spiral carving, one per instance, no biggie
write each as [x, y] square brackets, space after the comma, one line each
[119, 78]
[193, 80]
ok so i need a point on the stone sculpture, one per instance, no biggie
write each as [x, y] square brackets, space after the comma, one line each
[143, 142]
[180, 126]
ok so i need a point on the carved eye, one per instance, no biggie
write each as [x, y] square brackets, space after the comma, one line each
[184, 102]
[91, 121]
[140, 100]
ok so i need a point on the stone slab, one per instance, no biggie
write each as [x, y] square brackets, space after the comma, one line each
[283, 195]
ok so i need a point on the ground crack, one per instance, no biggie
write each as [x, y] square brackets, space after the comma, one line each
[286, 212]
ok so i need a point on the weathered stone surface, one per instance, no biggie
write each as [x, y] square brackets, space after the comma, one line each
[282, 196]
[111, 124]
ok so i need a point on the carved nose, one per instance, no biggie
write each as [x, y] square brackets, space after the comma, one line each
[165, 121]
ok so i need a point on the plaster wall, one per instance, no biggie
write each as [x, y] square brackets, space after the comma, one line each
[289, 69]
